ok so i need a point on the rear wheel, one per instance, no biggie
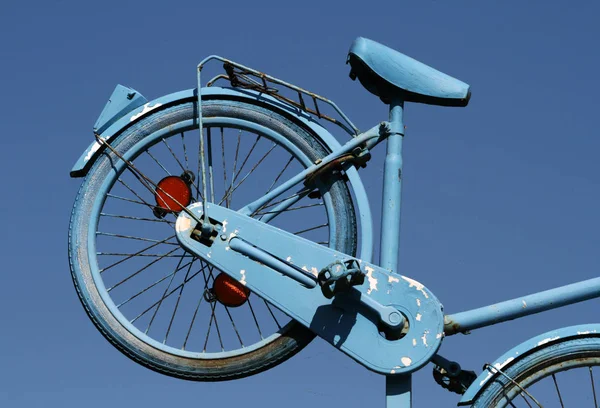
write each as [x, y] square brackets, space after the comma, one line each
[161, 306]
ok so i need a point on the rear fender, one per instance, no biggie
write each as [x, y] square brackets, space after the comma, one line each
[118, 115]
[511, 357]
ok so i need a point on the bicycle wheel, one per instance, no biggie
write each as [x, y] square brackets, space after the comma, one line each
[560, 375]
[155, 302]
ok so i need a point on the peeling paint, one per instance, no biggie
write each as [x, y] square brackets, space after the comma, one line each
[548, 340]
[418, 302]
[419, 286]
[414, 342]
[372, 280]
[92, 150]
[243, 280]
[224, 230]
[314, 271]
[183, 224]
[439, 335]
[289, 259]
[406, 361]
[418, 317]
[147, 108]
[392, 279]
[497, 366]
[424, 338]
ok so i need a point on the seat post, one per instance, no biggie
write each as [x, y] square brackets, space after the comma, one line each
[392, 189]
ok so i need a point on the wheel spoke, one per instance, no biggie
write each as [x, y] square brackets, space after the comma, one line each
[108, 234]
[593, 387]
[558, 391]
[227, 203]
[167, 295]
[311, 229]
[140, 270]
[187, 166]
[157, 162]
[171, 275]
[231, 191]
[173, 154]
[210, 165]
[290, 209]
[177, 304]
[137, 253]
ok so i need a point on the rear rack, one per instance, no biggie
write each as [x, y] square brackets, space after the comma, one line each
[241, 76]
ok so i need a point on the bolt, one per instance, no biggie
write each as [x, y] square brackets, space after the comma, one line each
[223, 237]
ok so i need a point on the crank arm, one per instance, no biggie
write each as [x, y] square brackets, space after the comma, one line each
[343, 321]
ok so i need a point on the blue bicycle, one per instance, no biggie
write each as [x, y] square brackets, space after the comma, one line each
[218, 230]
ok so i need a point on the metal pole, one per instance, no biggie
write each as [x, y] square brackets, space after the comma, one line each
[392, 190]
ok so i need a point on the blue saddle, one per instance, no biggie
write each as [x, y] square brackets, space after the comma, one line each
[390, 74]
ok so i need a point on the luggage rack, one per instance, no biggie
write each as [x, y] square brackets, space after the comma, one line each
[241, 76]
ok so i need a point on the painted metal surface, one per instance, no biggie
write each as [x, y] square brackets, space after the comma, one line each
[343, 321]
[122, 101]
[392, 190]
[522, 306]
[85, 161]
[512, 356]
[388, 73]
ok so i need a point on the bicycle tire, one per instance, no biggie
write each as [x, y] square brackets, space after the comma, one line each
[573, 357]
[303, 145]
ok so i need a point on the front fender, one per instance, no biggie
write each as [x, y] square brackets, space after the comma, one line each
[128, 118]
[511, 357]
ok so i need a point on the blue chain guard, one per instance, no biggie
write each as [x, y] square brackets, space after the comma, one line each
[342, 321]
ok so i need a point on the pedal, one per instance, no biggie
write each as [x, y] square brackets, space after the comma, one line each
[339, 277]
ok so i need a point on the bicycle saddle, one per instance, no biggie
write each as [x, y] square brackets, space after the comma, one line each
[388, 73]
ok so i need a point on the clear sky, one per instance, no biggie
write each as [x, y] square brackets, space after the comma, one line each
[500, 198]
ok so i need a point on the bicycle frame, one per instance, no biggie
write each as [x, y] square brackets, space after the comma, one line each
[398, 388]
[353, 153]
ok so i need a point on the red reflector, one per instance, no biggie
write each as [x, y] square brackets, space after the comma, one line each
[173, 194]
[230, 292]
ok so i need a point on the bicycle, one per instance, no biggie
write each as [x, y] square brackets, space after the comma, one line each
[167, 232]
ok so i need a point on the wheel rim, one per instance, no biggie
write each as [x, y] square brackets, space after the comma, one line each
[119, 305]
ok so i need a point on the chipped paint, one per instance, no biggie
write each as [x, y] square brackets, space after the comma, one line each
[524, 304]
[418, 302]
[314, 271]
[406, 361]
[391, 279]
[224, 229]
[372, 280]
[92, 150]
[497, 366]
[548, 340]
[393, 372]
[208, 254]
[183, 223]
[414, 342]
[419, 286]
[439, 335]
[418, 317]
[147, 108]
[586, 332]
[243, 280]
[289, 259]
[424, 338]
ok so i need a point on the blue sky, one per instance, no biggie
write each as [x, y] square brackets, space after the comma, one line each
[500, 198]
